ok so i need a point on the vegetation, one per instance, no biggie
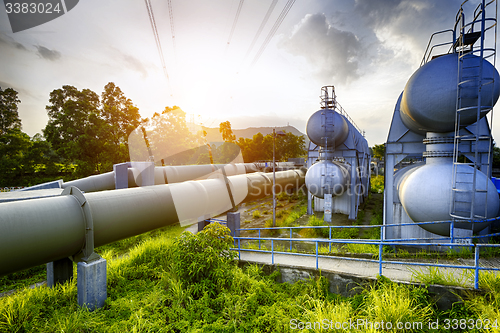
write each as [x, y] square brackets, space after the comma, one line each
[377, 184]
[86, 134]
[378, 151]
[90, 131]
[189, 283]
[260, 147]
[337, 233]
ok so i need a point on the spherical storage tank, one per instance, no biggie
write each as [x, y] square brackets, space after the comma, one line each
[430, 96]
[327, 128]
[327, 177]
[425, 193]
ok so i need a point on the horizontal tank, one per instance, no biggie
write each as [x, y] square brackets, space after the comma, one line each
[425, 193]
[430, 96]
[327, 177]
[327, 128]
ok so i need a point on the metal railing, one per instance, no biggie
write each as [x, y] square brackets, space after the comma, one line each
[467, 242]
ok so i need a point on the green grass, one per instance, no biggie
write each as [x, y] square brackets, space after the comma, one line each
[435, 275]
[256, 214]
[25, 278]
[154, 288]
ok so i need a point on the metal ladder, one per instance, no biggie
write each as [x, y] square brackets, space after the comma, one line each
[466, 189]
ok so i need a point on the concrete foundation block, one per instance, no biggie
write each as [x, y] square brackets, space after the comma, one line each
[233, 223]
[91, 283]
[59, 271]
[202, 224]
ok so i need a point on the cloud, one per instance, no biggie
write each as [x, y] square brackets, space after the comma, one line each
[10, 42]
[134, 64]
[404, 26]
[333, 52]
[45, 53]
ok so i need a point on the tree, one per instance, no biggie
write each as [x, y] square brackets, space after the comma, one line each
[170, 138]
[122, 117]
[379, 151]
[75, 129]
[260, 147]
[14, 145]
[227, 132]
[89, 131]
[9, 117]
[290, 146]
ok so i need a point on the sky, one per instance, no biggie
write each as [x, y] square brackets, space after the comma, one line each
[367, 49]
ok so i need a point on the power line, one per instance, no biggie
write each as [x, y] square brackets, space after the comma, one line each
[171, 15]
[275, 27]
[157, 38]
[234, 23]
[259, 31]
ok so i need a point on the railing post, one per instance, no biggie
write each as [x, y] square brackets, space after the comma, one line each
[290, 239]
[476, 267]
[239, 250]
[259, 239]
[272, 251]
[452, 236]
[380, 251]
[330, 238]
[316, 254]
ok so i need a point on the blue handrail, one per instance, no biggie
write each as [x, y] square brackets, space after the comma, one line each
[446, 242]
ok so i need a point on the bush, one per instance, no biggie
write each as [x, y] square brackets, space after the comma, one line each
[377, 184]
[204, 260]
[256, 214]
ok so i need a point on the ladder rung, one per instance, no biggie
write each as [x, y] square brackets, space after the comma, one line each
[472, 137]
[468, 108]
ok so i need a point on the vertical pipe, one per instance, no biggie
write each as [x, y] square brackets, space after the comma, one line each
[389, 192]
[290, 239]
[274, 177]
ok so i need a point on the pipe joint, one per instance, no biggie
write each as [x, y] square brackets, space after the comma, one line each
[87, 253]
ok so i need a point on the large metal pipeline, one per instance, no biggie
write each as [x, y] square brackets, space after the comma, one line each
[162, 175]
[38, 231]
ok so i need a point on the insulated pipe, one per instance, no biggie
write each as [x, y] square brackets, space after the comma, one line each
[163, 175]
[38, 231]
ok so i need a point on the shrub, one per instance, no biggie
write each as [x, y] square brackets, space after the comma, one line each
[204, 260]
[377, 184]
[256, 214]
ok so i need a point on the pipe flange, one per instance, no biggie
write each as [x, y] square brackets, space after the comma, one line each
[438, 140]
[437, 154]
[87, 253]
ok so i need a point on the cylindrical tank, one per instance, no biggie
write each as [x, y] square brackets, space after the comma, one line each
[327, 128]
[327, 177]
[425, 194]
[429, 99]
